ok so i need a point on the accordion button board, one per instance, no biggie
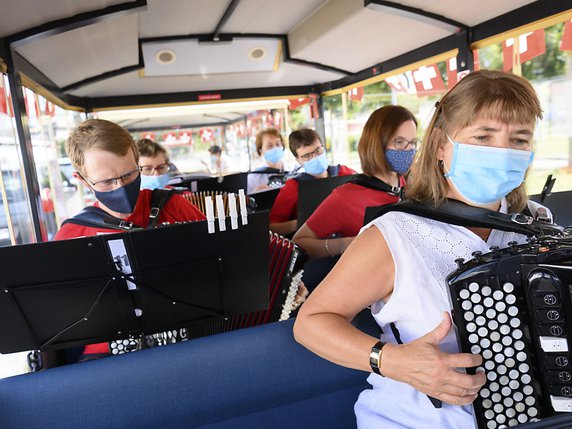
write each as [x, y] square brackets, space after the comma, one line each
[513, 307]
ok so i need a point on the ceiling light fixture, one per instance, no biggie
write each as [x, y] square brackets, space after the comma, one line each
[165, 56]
[257, 53]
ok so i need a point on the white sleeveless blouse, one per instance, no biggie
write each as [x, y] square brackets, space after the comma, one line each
[424, 253]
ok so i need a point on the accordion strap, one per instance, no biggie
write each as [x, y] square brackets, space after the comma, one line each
[458, 213]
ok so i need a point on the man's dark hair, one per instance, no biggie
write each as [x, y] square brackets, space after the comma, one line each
[213, 150]
[301, 138]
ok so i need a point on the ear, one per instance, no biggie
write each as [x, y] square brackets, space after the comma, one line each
[439, 136]
[81, 179]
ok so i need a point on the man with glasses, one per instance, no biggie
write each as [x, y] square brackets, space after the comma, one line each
[307, 148]
[106, 159]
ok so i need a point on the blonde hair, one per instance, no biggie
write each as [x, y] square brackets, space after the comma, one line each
[482, 94]
[98, 134]
[270, 132]
[380, 127]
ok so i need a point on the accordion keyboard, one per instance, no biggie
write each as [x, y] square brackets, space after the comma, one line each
[513, 307]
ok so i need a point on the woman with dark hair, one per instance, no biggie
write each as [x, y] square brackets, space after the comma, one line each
[386, 150]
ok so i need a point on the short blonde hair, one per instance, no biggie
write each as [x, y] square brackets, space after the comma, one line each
[98, 134]
[380, 127]
[485, 93]
[270, 132]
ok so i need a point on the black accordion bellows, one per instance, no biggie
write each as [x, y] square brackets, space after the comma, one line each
[513, 307]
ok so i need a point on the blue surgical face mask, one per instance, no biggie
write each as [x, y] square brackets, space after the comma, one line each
[123, 199]
[154, 182]
[274, 155]
[399, 160]
[317, 165]
[484, 175]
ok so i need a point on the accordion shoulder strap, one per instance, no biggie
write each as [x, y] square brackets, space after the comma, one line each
[458, 213]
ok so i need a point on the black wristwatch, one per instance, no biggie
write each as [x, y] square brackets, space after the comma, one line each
[375, 357]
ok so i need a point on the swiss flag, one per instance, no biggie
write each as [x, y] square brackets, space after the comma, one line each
[566, 44]
[428, 80]
[402, 83]
[297, 102]
[150, 136]
[531, 45]
[453, 76]
[4, 100]
[356, 94]
[206, 135]
[314, 110]
[185, 137]
[170, 138]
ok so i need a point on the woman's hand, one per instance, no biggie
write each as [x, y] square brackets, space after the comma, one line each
[423, 366]
[301, 295]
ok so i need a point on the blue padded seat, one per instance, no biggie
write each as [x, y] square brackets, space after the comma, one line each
[251, 378]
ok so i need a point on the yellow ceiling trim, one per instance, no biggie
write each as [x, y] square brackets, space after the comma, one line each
[194, 103]
[40, 90]
[3, 67]
[537, 25]
[432, 60]
[278, 57]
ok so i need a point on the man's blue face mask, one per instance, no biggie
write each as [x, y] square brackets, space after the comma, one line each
[154, 182]
[317, 165]
[483, 174]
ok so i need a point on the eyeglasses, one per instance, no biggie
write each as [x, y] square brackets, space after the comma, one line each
[111, 184]
[308, 156]
[148, 170]
[401, 143]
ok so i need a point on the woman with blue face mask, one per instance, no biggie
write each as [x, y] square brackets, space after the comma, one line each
[477, 149]
[154, 163]
[270, 148]
[386, 149]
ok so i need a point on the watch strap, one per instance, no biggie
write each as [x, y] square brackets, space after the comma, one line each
[375, 357]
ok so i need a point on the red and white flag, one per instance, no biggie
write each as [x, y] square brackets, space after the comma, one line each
[566, 44]
[5, 102]
[185, 137]
[454, 76]
[531, 45]
[402, 82]
[297, 102]
[206, 135]
[428, 80]
[356, 94]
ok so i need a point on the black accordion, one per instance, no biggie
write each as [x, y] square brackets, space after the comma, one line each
[285, 274]
[513, 306]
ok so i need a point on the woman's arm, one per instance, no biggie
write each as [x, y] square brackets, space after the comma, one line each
[318, 247]
[364, 275]
[284, 228]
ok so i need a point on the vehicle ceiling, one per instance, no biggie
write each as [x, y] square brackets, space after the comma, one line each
[102, 54]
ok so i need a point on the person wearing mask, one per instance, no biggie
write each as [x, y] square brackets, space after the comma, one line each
[218, 163]
[106, 158]
[386, 150]
[477, 149]
[154, 163]
[306, 146]
[269, 146]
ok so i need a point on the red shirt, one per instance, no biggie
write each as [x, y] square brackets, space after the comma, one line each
[344, 209]
[285, 206]
[177, 209]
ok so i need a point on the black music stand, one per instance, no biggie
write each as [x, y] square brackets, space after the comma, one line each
[265, 199]
[228, 183]
[88, 290]
[311, 193]
[560, 204]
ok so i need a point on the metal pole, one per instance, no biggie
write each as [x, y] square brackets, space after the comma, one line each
[26, 149]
